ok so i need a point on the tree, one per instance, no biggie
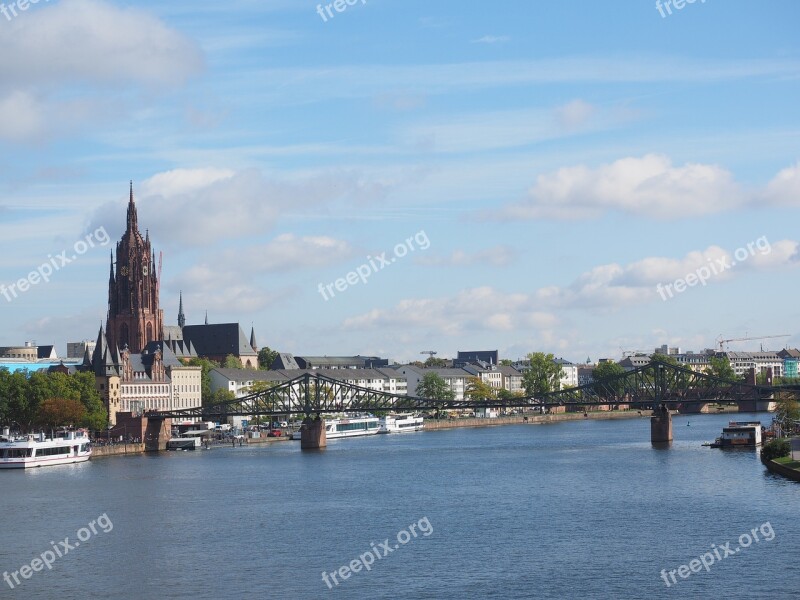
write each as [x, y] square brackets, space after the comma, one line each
[266, 357]
[506, 362]
[436, 363]
[721, 367]
[477, 389]
[434, 387]
[220, 396]
[787, 412]
[603, 375]
[504, 394]
[231, 362]
[58, 412]
[543, 376]
[205, 377]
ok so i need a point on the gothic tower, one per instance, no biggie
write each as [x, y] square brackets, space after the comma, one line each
[134, 318]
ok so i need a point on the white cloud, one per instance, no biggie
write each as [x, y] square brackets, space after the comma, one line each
[91, 41]
[80, 45]
[198, 207]
[476, 309]
[647, 186]
[491, 39]
[574, 114]
[497, 256]
[784, 189]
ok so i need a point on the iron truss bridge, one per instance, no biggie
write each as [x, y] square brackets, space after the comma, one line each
[644, 387]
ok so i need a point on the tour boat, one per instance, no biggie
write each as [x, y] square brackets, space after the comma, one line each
[339, 428]
[739, 434]
[36, 450]
[401, 424]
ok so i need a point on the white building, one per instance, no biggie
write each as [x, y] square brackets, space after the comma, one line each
[569, 377]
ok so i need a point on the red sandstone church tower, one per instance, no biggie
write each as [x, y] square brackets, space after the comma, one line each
[134, 318]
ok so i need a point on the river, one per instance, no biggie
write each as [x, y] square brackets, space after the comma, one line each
[585, 509]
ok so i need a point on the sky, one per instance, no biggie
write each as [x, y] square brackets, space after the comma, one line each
[583, 178]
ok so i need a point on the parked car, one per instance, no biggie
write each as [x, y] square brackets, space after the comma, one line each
[284, 424]
[275, 433]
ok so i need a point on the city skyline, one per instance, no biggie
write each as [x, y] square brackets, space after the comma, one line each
[574, 190]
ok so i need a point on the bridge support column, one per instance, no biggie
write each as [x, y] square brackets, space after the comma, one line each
[157, 434]
[312, 434]
[661, 425]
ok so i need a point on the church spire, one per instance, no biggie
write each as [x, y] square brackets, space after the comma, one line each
[111, 275]
[206, 317]
[253, 338]
[133, 220]
[181, 316]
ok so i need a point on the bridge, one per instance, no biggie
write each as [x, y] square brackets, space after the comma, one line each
[656, 386]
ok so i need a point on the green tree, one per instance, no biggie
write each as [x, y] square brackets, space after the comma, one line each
[543, 376]
[787, 412]
[477, 389]
[205, 377]
[59, 412]
[603, 376]
[776, 449]
[435, 363]
[506, 362]
[221, 396]
[434, 387]
[266, 357]
[721, 367]
[231, 362]
[504, 394]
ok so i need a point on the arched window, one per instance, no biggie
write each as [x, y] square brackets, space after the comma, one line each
[124, 336]
[149, 333]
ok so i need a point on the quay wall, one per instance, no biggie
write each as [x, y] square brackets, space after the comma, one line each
[432, 424]
[116, 450]
[780, 469]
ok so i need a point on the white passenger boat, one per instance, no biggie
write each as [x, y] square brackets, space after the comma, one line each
[357, 426]
[401, 424]
[36, 450]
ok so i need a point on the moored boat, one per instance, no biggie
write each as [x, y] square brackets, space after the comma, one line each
[37, 450]
[401, 424]
[356, 426]
[740, 434]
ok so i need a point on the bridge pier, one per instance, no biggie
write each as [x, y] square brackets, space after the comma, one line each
[661, 425]
[312, 434]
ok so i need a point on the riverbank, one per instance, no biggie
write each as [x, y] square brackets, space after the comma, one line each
[434, 424]
[785, 467]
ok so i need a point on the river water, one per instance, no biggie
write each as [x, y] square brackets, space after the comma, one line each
[585, 509]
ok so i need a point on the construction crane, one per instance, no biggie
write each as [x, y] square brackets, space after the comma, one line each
[722, 342]
[430, 353]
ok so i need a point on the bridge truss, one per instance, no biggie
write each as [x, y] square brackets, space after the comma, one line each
[644, 387]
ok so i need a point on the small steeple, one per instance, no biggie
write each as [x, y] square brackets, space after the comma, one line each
[253, 338]
[206, 317]
[181, 316]
[111, 276]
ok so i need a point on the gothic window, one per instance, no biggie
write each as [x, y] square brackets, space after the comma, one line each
[124, 335]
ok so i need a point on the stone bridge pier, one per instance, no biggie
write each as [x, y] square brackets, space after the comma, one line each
[661, 425]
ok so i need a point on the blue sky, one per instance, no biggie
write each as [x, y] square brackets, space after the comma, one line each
[563, 159]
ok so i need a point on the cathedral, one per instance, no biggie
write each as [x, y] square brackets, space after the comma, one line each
[134, 317]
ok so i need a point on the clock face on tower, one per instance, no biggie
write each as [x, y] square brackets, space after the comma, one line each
[144, 270]
[124, 271]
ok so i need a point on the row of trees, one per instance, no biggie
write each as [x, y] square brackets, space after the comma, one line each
[49, 400]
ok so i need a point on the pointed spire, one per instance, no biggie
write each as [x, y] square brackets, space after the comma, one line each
[111, 276]
[133, 221]
[181, 316]
[206, 317]
[253, 338]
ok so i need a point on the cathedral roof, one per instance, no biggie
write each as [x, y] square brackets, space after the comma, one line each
[218, 340]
